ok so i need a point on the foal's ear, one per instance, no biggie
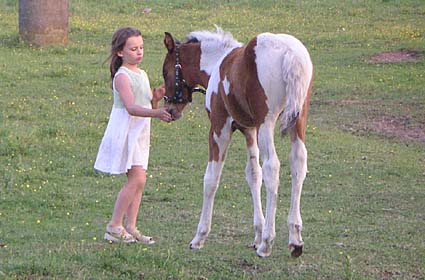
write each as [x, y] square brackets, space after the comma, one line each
[169, 42]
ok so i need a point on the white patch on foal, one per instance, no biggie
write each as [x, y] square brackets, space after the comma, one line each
[284, 71]
[226, 86]
[214, 48]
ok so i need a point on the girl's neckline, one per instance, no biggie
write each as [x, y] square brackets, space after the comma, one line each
[136, 71]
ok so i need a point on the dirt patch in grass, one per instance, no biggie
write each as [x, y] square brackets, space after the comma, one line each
[364, 117]
[396, 56]
[402, 127]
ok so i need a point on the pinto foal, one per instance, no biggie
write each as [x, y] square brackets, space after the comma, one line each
[249, 88]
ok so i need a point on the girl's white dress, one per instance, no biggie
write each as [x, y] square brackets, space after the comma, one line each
[127, 138]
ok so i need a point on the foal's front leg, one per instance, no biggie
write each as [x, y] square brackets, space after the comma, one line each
[211, 181]
[218, 146]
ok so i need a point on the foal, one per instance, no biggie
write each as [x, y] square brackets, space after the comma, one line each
[249, 88]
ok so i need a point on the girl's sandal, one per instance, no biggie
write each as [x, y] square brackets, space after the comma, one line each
[140, 238]
[118, 235]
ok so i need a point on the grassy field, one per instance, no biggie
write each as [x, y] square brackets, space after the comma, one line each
[363, 202]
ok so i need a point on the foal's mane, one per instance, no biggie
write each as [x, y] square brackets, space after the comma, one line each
[213, 40]
[214, 46]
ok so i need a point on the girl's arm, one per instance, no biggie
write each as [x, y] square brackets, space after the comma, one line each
[122, 84]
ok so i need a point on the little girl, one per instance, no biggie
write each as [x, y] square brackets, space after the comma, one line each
[125, 144]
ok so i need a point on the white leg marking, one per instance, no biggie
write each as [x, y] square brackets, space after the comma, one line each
[271, 166]
[211, 182]
[254, 180]
[298, 160]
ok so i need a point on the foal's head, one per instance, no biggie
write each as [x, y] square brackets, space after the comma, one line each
[181, 73]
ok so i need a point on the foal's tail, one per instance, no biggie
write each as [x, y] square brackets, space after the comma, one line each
[297, 74]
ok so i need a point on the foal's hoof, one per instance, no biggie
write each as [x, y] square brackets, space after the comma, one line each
[296, 250]
[193, 246]
[264, 251]
[253, 246]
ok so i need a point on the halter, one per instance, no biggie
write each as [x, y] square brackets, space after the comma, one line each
[180, 83]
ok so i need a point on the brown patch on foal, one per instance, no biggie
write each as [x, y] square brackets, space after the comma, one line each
[246, 100]
[190, 58]
[218, 117]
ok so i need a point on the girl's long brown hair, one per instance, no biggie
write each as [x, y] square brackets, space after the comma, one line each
[118, 41]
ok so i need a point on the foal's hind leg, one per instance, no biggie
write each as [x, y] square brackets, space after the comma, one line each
[218, 145]
[271, 167]
[298, 160]
[254, 179]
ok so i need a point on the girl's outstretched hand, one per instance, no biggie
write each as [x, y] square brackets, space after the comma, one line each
[163, 115]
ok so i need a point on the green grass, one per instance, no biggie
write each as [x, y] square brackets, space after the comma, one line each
[362, 202]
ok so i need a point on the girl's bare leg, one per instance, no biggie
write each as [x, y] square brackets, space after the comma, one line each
[128, 199]
[137, 176]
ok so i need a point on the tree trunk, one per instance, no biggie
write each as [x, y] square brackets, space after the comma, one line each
[44, 22]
